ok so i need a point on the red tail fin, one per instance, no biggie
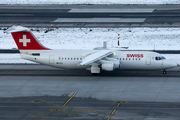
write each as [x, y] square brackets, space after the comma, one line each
[26, 41]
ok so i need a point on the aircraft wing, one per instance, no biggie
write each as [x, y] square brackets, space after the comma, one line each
[95, 57]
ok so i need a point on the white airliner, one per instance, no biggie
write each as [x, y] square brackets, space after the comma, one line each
[93, 60]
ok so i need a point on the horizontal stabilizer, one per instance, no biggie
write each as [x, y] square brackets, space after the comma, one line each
[16, 29]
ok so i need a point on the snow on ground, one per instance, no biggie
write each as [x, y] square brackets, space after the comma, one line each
[13, 59]
[89, 38]
[90, 2]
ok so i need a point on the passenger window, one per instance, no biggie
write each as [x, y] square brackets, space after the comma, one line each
[126, 58]
[68, 58]
[129, 58]
[62, 58]
[65, 58]
[123, 58]
[139, 58]
[77, 58]
[133, 59]
[136, 58]
[80, 58]
[120, 58]
[71, 58]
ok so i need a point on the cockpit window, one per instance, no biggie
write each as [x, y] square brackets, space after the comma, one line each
[163, 57]
[160, 58]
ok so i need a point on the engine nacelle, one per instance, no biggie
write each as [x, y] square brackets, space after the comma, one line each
[108, 66]
[114, 61]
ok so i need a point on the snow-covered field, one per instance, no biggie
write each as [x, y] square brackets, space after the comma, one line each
[89, 38]
[90, 2]
[13, 59]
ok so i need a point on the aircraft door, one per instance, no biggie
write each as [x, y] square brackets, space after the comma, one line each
[51, 59]
[148, 60]
[162, 64]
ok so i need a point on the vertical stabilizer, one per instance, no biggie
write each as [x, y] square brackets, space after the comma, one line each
[25, 40]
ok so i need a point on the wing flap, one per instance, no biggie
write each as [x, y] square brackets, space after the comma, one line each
[95, 57]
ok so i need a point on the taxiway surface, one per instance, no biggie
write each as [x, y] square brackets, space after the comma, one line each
[41, 92]
[43, 70]
[90, 15]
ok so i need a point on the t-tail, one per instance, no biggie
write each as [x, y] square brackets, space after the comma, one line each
[25, 40]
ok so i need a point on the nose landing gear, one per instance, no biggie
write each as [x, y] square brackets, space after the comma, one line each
[164, 72]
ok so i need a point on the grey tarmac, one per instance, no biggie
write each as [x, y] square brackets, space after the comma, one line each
[67, 96]
[85, 16]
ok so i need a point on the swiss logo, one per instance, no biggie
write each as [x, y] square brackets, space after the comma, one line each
[25, 40]
[135, 55]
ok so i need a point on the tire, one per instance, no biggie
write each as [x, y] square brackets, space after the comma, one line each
[164, 72]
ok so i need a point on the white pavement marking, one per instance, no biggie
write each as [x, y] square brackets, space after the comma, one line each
[111, 11]
[132, 19]
[73, 20]
[99, 20]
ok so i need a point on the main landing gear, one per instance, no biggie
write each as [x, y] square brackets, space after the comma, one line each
[164, 72]
[95, 70]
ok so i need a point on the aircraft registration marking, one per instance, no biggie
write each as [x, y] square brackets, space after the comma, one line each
[59, 62]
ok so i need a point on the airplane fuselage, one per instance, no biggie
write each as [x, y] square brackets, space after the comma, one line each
[93, 60]
[68, 59]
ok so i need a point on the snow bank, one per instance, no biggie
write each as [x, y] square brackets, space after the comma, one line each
[90, 2]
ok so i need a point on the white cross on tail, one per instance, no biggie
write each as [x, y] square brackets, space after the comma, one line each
[24, 40]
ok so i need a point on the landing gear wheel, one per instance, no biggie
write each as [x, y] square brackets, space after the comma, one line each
[164, 72]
